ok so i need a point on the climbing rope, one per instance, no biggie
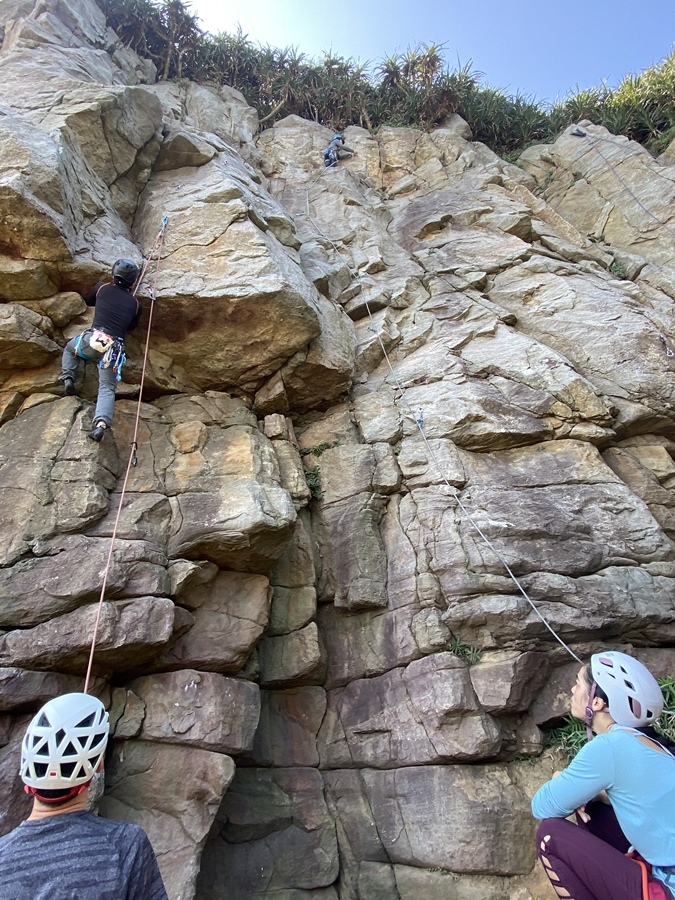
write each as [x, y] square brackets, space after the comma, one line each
[418, 418]
[155, 252]
[593, 141]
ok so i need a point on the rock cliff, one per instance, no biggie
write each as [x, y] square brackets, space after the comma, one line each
[323, 682]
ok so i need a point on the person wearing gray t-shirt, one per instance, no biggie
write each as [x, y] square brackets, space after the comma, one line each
[62, 851]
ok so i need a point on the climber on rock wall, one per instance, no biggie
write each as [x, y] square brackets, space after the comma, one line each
[116, 312]
[621, 785]
[335, 151]
[62, 850]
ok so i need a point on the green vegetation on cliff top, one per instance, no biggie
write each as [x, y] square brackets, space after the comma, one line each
[416, 88]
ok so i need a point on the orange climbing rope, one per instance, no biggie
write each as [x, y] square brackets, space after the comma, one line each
[155, 251]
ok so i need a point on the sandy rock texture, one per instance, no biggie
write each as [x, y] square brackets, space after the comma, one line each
[372, 392]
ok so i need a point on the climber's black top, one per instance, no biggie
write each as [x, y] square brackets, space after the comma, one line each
[117, 311]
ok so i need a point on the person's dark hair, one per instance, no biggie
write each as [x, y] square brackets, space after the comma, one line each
[648, 730]
[588, 677]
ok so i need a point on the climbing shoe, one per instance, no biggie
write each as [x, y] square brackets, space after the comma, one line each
[68, 387]
[97, 432]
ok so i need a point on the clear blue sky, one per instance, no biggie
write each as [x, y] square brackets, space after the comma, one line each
[544, 49]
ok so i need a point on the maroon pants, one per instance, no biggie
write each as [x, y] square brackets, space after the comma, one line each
[589, 858]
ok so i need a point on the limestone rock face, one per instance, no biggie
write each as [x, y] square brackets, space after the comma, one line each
[375, 397]
[59, 485]
[16, 805]
[507, 681]
[230, 614]
[288, 727]
[26, 689]
[231, 227]
[130, 632]
[373, 805]
[221, 478]
[424, 713]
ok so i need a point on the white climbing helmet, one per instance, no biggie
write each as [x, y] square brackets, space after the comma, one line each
[633, 694]
[64, 743]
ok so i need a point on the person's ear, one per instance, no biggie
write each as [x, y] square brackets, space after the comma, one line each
[599, 705]
[99, 767]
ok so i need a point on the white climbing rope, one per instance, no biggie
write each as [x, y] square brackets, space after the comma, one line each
[593, 141]
[418, 418]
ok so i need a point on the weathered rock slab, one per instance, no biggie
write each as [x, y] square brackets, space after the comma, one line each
[198, 709]
[173, 793]
[130, 633]
[288, 727]
[428, 816]
[423, 714]
[230, 614]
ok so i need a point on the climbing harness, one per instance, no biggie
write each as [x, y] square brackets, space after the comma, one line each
[156, 255]
[651, 890]
[330, 157]
[93, 340]
[114, 358]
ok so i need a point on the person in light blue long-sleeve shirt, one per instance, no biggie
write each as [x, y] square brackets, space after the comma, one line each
[633, 771]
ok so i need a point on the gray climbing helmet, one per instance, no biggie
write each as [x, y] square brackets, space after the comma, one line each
[126, 271]
[634, 695]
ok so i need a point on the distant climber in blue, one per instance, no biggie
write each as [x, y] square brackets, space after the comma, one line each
[335, 151]
[116, 311]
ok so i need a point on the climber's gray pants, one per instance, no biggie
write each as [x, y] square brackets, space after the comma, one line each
[107, 380]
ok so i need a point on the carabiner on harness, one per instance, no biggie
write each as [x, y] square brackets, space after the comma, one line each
[114, 358]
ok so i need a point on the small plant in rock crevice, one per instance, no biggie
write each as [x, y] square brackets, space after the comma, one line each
[464, 651]
[313, 479]
[619, 270]
[666, 723]
[569, 737]
[320, 448]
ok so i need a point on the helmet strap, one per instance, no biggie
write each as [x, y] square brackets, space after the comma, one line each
[49, 801]
[589, 712]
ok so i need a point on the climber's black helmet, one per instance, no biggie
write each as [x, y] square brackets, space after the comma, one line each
[125, 272]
